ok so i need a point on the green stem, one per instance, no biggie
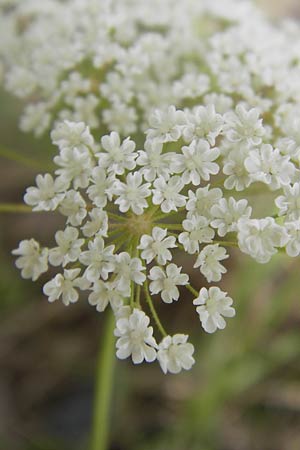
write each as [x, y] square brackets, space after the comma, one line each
[172, 213]
[138, 296]
[170, 226]
[192, 290]
[153, 311]
[14, 208]
[226, 243]
[23, 160]
[104, 384]
[116, 216]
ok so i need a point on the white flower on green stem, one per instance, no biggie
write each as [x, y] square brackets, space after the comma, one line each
[117, 156]
[75, 165]
[208, 261]
[260, 238]
[101, 188]
[175, 353]
[238, 177]
[203, 123]
[47, 194]
[32, 259]
[157, 246]
[289, 203]
[135, 338]
[242, 125]
[269, 166]
[132, 194]
[128, 269]
[226, 214]
[201, 201]
[70, 135]
[100, 260]
[68, 247]
[293, 244]
[167, 193]
[196, 162]
[105, 293]
[154, 162]
[197, 232]
[74, 207]
[97, 225]
[212, 304]
[166, 125]
[166, 282]
[66, 286]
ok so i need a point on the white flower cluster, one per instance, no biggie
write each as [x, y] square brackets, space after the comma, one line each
[126, 210]
[110, 62]
[223, 127]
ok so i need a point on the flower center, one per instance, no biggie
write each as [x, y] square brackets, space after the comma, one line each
[139, 225]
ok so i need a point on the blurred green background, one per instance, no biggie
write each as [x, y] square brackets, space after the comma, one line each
[242, 394]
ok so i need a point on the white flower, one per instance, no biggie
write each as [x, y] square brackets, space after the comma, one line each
[191, 85]
[269, 166]
[35, 118]
[102, 188]
[208, 261]
[97, 225]
[175, 353]
[203, 123]
[135, 338]
[289, 202]
[166, 193]
[243, 125]
[288, 146]
[260, 237]
[99, 259]
[155, 163]
[157, 246]
[76, 166]
[20, 81]
[70, 135]
[293, 244]
[132, 194]
[74, 207]
[213, 304]
[196, 162]
[65, 286]
[238, 177]
[128, 269]
[69, 247]
[84, 109]
[104, 293]
[33, 260]
[226, 214]
[166, 124]
[197, 231]
[123, 312]
[113, 88]
[201, 201]
[167, 281]
[120, 117]
[222, 103]
[119, 156]
[47, 195]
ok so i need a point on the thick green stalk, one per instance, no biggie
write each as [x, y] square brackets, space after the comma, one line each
[14, 208]
[104, 385]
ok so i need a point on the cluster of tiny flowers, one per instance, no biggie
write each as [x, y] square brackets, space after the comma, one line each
[108, 63]
[220, 114]
[129, 210]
